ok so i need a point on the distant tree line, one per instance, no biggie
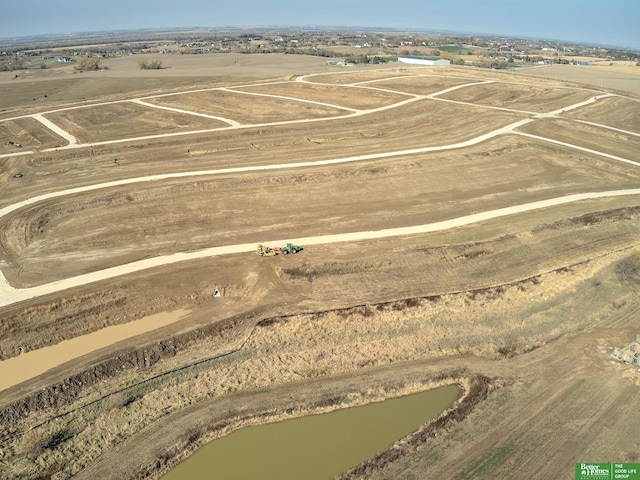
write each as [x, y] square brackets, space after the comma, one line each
[433, 52]
[364, 58]
[493, 64]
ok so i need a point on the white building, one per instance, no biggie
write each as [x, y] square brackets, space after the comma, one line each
[431, 61]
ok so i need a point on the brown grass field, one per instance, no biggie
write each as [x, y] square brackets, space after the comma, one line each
[521, 311]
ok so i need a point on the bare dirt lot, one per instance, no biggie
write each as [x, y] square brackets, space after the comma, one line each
[520, 97]
[247, 108]
[501, 172]
[522, 310]
[612, 111]
[359, 98]
[108, 122]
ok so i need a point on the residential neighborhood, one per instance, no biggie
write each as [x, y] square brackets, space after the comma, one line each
[348, 47]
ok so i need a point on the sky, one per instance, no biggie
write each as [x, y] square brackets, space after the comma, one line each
[603, 22]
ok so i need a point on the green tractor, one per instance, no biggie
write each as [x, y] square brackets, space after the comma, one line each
[290, 248]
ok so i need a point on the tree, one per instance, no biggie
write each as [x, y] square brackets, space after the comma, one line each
[152, 65]
[628, 269]
[16, 63]
[88, 64]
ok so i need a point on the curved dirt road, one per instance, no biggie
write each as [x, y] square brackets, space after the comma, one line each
[10, 295]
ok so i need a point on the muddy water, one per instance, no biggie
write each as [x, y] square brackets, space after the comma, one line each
[30, 364]
[315, 446]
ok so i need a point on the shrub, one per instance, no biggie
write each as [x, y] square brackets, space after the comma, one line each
[152, 65]
[628, 269]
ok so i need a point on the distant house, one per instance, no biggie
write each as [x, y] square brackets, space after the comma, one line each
[64, 60]
[430, 61]
[340, 63]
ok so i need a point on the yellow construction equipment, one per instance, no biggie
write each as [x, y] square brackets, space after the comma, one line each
[265, 251]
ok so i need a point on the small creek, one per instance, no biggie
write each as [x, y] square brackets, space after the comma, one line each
[315, 446]
[31, 364]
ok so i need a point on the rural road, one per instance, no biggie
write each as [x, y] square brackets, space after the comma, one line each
[10, 295]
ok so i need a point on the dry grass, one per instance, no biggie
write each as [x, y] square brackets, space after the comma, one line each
[319, 345]
[28, 133]
[123, 78]
[478, 296]
[614, 79]
[247, 108]
[360, 98]
[109, 122]
[519, 97]
[615, 112]
[589, 136]
[424, 84]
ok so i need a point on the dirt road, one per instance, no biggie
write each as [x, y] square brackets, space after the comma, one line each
[10, 295]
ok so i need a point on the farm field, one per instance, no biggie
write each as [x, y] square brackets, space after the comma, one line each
[617, 78]
[459, 226]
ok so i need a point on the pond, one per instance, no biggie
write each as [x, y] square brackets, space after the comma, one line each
[315, 446]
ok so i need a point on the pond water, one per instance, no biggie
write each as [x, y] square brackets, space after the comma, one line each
[315, 446]
[31, 364]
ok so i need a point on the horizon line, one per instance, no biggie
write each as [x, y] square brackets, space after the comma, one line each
[178, 29]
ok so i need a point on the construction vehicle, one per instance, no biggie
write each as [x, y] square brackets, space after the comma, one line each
[265, 251]
[290, 248]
